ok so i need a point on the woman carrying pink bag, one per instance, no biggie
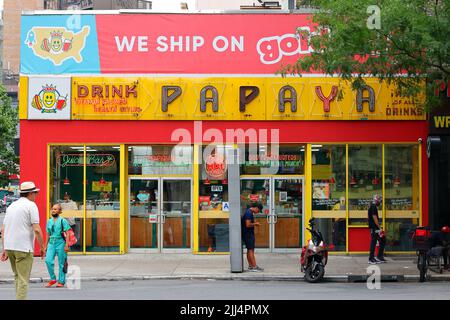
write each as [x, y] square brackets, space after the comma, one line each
[59, 238]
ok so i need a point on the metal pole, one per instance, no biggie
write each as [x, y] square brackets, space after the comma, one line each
[234, 198]
[291, 5]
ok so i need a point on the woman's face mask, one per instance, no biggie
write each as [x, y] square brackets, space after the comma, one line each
[143, 196]
[55, 215]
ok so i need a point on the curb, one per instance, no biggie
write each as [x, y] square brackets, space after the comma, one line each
[196, 277]
[32, 280]
[331, 278]
[383, 278]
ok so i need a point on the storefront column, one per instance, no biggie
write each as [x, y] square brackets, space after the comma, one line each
[308, 190]
[421, 170]
[84, 198]
[346, 198]
[383, 185]
[23, 96]
[123, 198]
[195, 207]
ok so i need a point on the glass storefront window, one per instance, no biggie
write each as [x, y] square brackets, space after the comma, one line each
[213, 200]
[102, 198]
[97, 223]
[328, 193]
[66, 187]
[160, 206]
[263, 159]
[160, 160]
[402, 193]
[365, 180]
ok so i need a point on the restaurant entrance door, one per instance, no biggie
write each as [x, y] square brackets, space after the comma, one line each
[281, 221]
[160, 214]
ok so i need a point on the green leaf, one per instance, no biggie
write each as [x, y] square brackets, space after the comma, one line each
[8, 130]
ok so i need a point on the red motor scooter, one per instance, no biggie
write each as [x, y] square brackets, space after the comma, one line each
[314, 255]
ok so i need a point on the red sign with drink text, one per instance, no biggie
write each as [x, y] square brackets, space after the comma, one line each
[200, 43]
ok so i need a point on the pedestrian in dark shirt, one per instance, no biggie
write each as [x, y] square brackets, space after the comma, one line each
[376, 234]
[248, 235]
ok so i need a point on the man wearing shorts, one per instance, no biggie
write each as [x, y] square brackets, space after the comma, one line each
[248, 235]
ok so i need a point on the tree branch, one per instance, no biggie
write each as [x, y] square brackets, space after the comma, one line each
[429, 64]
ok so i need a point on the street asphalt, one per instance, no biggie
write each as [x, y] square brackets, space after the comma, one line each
[233, 290]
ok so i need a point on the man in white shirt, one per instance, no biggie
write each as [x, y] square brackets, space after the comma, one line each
[19, 230]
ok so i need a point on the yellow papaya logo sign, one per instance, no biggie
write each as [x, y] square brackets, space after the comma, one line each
[49, 100]
[57, 44]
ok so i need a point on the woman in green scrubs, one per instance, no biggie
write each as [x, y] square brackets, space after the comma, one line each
[56, 246]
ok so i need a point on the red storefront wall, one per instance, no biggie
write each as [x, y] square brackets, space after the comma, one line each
[36, 135]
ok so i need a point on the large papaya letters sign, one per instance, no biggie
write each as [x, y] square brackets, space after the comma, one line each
[146, 98]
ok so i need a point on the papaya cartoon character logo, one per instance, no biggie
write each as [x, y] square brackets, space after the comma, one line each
[49, 100]
[57, 44]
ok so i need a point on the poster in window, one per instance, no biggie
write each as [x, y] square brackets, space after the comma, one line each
[205, 202]
[216, 188]
[321, 190]
[283, 196]
[98, 186]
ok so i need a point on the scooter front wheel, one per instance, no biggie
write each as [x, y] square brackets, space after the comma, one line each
[316, 274]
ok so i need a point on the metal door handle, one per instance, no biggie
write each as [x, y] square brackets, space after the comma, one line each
[275, 218]
[270, 219]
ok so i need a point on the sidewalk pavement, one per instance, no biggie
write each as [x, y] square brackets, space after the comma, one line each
[278, 266]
